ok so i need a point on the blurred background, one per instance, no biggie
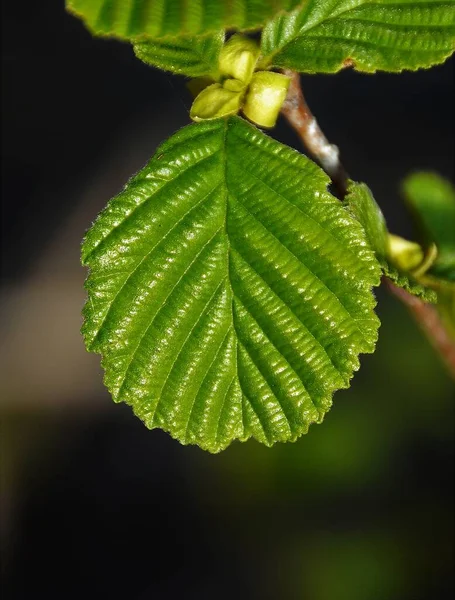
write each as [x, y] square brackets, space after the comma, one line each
[93, 505]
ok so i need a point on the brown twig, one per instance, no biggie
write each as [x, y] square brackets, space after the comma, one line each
[428, 319]
[297, 112]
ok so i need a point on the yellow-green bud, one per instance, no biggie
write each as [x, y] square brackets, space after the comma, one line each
[214, 102]
[406, 255]
[234, 85]
[195, 86]
[266, 94]
[238, 58]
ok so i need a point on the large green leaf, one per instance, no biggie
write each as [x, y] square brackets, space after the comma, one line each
[129, 19]
[229, 293]
[192, 56]
[370, 35]
[363, 206]
[432, 200]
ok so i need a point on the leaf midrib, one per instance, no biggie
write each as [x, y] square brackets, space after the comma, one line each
[233, 296]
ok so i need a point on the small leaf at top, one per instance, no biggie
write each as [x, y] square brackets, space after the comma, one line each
[369, 35]
[191, 56]
[238, 58]
[363, 206]
[130, 19]
[432, 200]
[229, 293]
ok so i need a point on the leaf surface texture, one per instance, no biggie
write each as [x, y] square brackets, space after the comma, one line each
[370, 35]
[229, 293]
[191, 56]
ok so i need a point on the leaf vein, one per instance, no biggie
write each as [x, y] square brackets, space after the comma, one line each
[279, 402]
[323, 283]
[196, 396]
[194, 207]
[181, 351]
[141, 339]
[288, 308]
[128, 217]
[276, 348]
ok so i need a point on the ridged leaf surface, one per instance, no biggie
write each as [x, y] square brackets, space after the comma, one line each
[229, 293]
[370, 35]
[157, 18]
[192, 56]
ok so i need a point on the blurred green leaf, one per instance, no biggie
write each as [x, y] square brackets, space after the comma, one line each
[432, 200]
[446, 306]
[388, 35]
[129, 19]
[229, 293]
[352, 565]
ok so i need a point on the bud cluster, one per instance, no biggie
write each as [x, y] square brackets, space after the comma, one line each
[259, 94]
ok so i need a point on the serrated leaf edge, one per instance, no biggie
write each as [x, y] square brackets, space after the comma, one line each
[343, 383]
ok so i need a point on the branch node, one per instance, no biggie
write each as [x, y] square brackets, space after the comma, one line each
[297, 112]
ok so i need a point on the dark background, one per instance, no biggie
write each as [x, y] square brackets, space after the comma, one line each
[95, 505]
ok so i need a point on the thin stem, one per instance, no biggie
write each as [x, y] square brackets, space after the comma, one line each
[297, 112]
[428, 319]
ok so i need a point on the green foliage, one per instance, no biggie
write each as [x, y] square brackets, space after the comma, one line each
[229, 292]
[192, 56]
[237, 61]
[408, 282]
[130, 19]
[432, 200]
[364, 207]
[389, 35]
[259, 94]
